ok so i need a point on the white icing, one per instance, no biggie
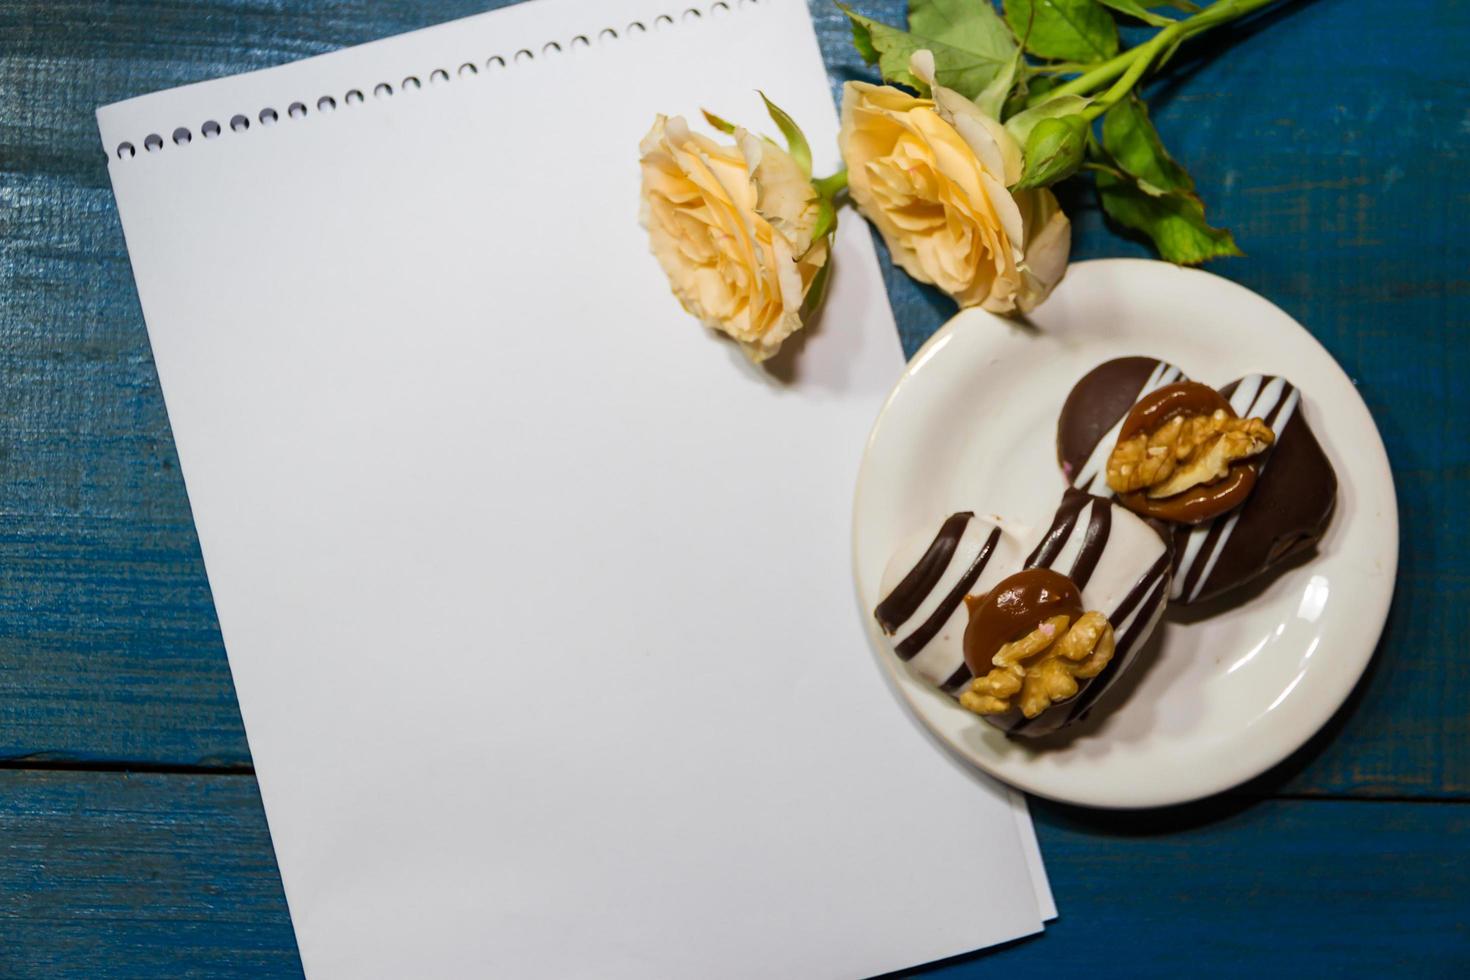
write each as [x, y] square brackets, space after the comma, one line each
[1192, 545]
[1245, 393]
[1163, 374]
[1067, 556]
[1225, 532]
[1267, 400]
[1132, 549]
[942, 656]
[945, 653]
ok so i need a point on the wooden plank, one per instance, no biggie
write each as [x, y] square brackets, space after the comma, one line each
[111, 875]
[105, 875]
[1336, 153]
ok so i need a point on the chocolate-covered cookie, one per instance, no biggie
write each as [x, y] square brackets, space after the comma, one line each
[1286, 513]
[1288, 508]
[1097, 557]
[1122, 566]
[1094, 412]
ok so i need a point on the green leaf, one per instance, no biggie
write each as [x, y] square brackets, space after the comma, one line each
[1021, 124]
[723, 125]
[1054, 150]
[1069, 30]
[862, 36]
[1150, 192]
[971, 25]
[796, 143]
[1135, 9]
[1129, 136]
[971, 44]
[1174, 222]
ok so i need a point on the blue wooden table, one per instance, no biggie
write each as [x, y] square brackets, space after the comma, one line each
[1333, 137]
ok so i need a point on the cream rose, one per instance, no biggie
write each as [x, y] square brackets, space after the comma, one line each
[732, 227]
[934, 175]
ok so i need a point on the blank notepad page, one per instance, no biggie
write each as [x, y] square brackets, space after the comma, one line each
[536, 595]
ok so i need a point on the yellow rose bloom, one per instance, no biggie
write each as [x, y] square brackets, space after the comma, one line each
[933, 175]
[732, 228]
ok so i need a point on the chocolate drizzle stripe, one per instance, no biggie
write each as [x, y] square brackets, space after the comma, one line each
[957, 681]
[1122, 610]
[1214, 546]
[1269, 399]
[1281, 414]
[1092, 470]
[930, 628]
[1099, 524]
[1061, 529]
[1195, 575]
[1141, 621]
[910, 593]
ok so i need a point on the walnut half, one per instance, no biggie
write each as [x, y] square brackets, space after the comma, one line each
[1184, 452]
[1043, 667]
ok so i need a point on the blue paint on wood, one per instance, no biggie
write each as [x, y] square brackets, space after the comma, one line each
[1336, 154]
[108, 876]
[1331, 136]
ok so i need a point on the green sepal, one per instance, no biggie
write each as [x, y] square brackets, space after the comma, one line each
[825, 226]
[817, 291]
[1021, 124]
[723, 125]
[796, 143]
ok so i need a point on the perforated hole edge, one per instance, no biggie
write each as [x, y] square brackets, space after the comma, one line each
[239, 123]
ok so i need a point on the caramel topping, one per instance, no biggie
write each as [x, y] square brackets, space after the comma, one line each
[1183, 455]
[1198, 503]
[1016, 606]
[1162, 404]
[1029, 642]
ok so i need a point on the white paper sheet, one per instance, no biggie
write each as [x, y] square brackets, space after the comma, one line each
[536, 595]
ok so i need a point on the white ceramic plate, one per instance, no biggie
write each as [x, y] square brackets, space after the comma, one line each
[1226, 689]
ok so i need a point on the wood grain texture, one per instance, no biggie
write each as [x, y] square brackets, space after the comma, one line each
[1332, 138]
[1335, 153]
[110, 876]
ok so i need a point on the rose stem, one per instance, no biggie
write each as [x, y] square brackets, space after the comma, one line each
[1131, 64]
[830, 187]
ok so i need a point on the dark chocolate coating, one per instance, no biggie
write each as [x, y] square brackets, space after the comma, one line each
[1103, 397]
[1287, 513]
